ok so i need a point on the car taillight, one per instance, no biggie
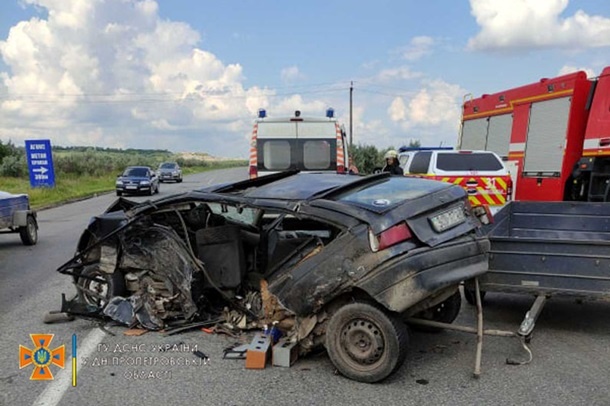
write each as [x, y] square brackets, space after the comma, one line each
[253, 172]
[509, 189]
[389, 237]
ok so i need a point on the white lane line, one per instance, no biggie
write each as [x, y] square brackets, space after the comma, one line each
[55, 390]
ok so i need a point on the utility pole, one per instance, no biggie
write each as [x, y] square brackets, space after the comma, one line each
[351, 129]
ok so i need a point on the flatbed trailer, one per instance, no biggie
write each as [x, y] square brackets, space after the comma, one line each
[547, 249]
[16, 216]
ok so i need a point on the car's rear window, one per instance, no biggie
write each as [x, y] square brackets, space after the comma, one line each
[276, 155]
[468, 162]
[316, 155]
[390, 192]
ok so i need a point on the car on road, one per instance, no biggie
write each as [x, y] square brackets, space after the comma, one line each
[137, 179]
[16, 216]
[333, 260]
[169, 171]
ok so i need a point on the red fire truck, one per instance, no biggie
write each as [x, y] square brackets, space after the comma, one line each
[554, 136]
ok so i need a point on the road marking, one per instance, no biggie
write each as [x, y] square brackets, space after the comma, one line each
[55, 390]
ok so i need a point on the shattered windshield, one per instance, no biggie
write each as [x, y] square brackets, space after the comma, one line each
[245, 215]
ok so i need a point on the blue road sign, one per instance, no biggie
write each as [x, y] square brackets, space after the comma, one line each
[40, 163]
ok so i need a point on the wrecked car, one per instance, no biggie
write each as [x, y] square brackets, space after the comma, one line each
[338, 261]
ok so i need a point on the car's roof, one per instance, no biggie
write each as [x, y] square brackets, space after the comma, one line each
[450, 151]
[137, 167]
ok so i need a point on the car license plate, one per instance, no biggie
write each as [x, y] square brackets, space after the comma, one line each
[448, 219]
[131, 187]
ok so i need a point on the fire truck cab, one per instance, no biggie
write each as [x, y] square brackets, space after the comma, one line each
[554, 136]
[297, 143]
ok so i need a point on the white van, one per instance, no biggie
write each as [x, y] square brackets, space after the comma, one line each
[301, 143]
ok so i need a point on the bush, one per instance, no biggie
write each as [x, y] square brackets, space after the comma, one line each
[14, 166]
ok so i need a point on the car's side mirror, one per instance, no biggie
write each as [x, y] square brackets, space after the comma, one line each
[119, 175]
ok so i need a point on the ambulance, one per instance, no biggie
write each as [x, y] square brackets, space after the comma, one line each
[481, 173]
[297, 143]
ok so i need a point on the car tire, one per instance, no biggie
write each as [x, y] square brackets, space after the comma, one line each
[29, 232]
[470, 296]
[151, 191]
[157, 189]
[179, 180]
[365, 343]
[444, 312]
[119, 193]
[114, 286]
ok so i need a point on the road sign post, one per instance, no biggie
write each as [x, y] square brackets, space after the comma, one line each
[40, 163]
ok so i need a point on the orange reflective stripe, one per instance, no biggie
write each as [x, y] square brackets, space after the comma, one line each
[484, 195]
[253, 152]
[474, 201]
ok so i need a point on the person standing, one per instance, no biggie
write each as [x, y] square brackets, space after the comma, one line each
[352, 169]
[391, 163]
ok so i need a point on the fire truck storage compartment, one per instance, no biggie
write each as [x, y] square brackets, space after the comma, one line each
[221, 250]
[488, 133]
[546, 134]
[550, 248]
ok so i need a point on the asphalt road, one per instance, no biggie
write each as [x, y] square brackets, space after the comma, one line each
[571, 346]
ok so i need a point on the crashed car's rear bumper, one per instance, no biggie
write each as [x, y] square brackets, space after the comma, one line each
[411, 278]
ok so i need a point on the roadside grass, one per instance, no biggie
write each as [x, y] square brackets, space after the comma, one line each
[69, 187]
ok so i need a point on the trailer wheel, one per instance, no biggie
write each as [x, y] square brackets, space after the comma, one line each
[29, 232]
[471, 297]
[365, 343]
[444, 312]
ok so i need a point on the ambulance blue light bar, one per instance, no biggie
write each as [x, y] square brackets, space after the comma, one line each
[262, 113]
[330, 112]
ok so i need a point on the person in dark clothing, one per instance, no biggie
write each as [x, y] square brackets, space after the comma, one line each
[391, 163]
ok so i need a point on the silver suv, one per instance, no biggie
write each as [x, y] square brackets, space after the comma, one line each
[169, 171]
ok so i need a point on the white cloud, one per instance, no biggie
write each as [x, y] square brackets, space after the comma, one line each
[432, 114]
[397, 110]
[400, 73]
[418, 47]
[571, 69]
[291, 74]
[114, 73]
[535, 24]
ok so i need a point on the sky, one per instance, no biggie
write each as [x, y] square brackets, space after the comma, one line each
[190, 75]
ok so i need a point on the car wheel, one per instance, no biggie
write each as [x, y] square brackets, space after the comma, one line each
[180, 180]
[97, 293]
[119, 193]
[29, 232]
[157, 188]
[444, 312]
[365, 343]
[471, 297]
[151, 191]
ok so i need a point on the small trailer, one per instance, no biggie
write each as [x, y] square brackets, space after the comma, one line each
[547, 249]
[16, 216]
